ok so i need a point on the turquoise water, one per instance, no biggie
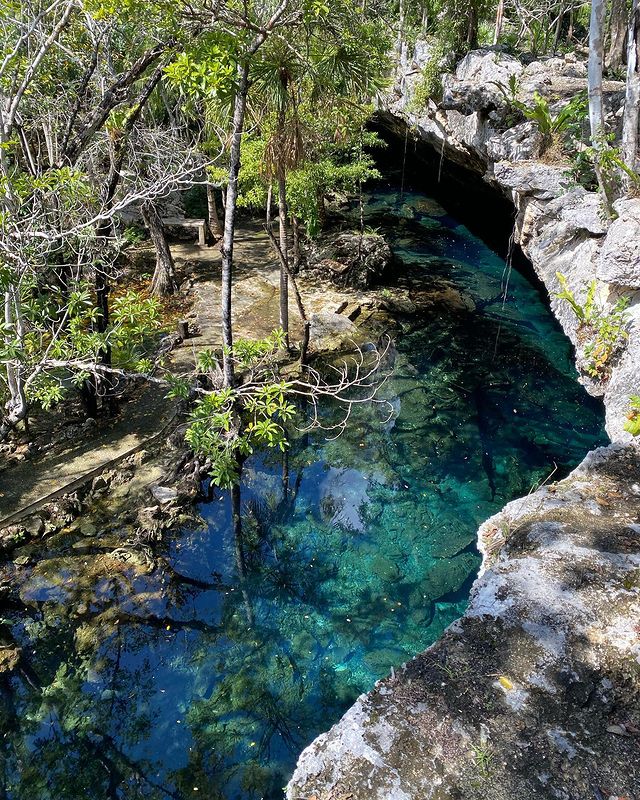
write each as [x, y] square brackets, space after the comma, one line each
[202, 665]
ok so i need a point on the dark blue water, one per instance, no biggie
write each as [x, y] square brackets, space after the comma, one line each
[202, 666]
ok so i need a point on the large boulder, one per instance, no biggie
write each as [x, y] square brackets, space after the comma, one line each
[520, 143]
[350, 259]
[478, 82]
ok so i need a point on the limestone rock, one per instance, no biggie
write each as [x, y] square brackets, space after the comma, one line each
[164, 494]
[348, 259]
[620, 257]
[475, 86]
[577, 210]
[520, 143]
[88, 528]
[624, 382]
[34, 526]
[542, 181]
[331, 332]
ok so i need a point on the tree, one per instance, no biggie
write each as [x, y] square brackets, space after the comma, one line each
[631, 119]
[230, 55]
[62, 160]
[324, 70]
[596, 112]
[618, 22]
[228, 423]
[164, 280]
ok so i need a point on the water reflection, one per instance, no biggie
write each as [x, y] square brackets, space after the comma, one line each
[200, 666]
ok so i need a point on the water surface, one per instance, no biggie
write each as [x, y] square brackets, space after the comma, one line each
[201, 667]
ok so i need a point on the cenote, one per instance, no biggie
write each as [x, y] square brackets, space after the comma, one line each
[203, 669]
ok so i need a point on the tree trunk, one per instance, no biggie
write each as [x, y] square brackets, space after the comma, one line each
[558, 28]
[212, 210]
[472, 26]
[499, 21]
[570, 30]
[239, 109]
[306, 325]
[631, 118]
[267, 215]
[284, 248]
[596, 113]
[619, 20]
[296, 245]
[164, 278]
[16, 407]
[230, 200]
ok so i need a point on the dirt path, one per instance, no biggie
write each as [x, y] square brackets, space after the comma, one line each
[255, 297]
[31, 484]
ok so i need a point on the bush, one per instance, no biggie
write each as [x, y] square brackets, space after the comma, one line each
[606, 329]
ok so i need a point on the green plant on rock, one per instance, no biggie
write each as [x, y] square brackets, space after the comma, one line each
[606, 329]
[581, 170]
[430, 83]
[554, 127]
[584, 312]
[632, 425]
[608, 159]
[483, 759]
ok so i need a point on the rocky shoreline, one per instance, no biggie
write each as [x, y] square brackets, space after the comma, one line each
[535, 692]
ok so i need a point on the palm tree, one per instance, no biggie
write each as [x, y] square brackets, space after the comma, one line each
[330, 63]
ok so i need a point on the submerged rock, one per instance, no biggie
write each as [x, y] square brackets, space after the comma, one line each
[9, 658]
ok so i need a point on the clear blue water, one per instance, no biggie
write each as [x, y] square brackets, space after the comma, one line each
[202, 666]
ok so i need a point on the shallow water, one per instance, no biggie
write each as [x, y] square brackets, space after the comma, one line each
[202, 670]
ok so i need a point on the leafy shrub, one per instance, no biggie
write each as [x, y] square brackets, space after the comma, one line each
[608, 158]
[430, 83]
[226, 424]
[632, 425]
[581, 171]
[606, 329]
[134, 234]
